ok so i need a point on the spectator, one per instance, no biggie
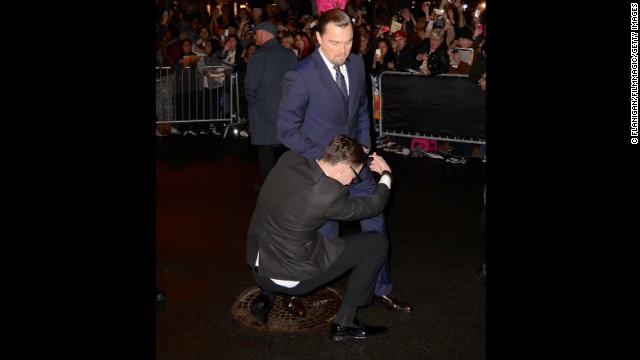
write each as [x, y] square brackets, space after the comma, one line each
[303, 45]
[384, 59]
[404, 59]
[226, 17]
[435, 59]
[186, 89]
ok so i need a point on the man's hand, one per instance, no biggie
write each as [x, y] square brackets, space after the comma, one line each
[378, 164]
[425, 8]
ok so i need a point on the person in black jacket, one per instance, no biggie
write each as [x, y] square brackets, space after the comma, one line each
[263, 85]
[435, 59]
[289, 255]
[404, 53]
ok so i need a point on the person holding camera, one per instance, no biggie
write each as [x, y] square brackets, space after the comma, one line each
[383, 59]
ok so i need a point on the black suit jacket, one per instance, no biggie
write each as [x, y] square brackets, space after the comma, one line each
[296, 199]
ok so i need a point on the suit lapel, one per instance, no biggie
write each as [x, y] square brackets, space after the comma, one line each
[353, 80]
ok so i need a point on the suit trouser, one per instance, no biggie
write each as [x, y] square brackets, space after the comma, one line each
[384, 285]
[363, 252]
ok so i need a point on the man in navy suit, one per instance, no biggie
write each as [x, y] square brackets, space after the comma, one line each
[315, 107]
[287, 253]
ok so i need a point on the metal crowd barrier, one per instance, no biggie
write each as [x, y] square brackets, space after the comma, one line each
[448, 107]
[192, 102]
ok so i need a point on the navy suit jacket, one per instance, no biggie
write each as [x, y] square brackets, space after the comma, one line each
[312, 112]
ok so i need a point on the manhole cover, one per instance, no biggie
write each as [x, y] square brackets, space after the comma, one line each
[321, 307]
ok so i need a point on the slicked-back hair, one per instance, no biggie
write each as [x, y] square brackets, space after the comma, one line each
[337, 17]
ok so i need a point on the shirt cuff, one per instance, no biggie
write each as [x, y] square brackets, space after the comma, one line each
[385, 180]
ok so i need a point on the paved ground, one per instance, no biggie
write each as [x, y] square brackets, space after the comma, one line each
[204, 201]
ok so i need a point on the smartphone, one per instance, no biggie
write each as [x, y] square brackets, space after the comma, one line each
[477, 13]
[385, 29]
[479, 27]
[378, 52]
[226, 32]
[353, 20]
[464, 6]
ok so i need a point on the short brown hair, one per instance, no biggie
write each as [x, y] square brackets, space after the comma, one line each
[343, 148]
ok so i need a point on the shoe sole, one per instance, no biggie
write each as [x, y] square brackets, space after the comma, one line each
[392, 308]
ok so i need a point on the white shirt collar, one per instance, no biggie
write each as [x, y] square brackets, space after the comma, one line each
[343, 69]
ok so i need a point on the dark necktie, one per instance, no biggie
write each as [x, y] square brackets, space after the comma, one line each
[342, 85]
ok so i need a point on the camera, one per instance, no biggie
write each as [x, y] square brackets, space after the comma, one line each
[477, 13]
[399, 16]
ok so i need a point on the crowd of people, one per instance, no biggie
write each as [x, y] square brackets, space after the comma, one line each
[431, 39]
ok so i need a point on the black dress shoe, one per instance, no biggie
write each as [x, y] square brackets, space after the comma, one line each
[392, 303]
[296, 306]
[361, 331]
[261, 308]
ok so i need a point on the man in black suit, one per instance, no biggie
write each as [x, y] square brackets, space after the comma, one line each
[288, 254]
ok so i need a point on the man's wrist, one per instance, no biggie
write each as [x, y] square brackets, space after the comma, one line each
[388, 173]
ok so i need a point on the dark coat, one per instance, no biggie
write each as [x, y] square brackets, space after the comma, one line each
[438, 61]
[263, 89]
